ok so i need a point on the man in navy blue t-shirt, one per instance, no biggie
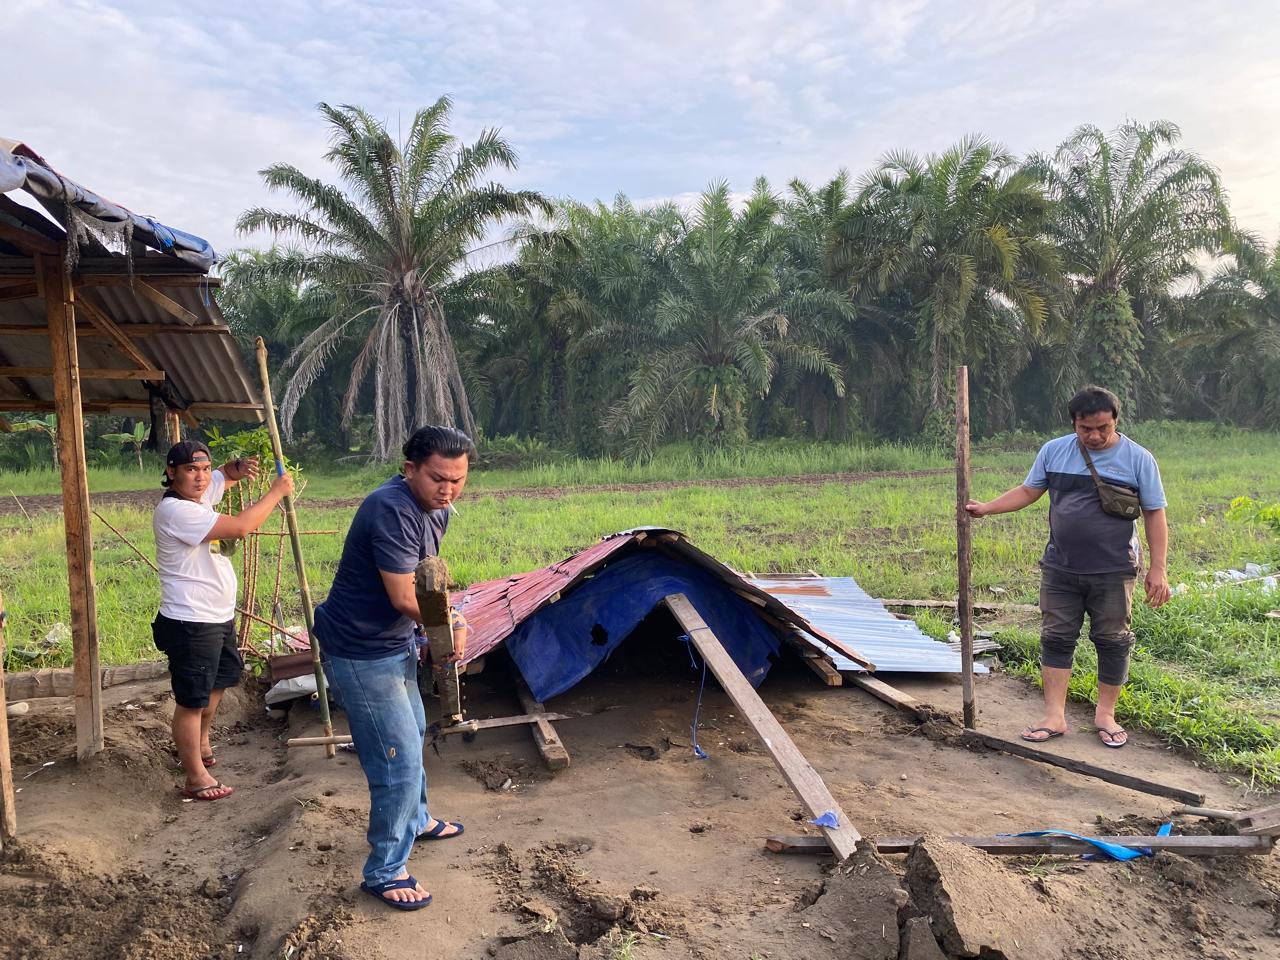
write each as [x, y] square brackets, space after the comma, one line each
[367, 628]
[1093, 557]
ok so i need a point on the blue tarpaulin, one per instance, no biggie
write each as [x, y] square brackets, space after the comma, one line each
[565, 641]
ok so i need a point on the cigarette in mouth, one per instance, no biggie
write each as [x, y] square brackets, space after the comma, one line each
[453, 509]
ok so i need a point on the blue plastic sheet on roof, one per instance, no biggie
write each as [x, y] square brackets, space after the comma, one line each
[560, 644]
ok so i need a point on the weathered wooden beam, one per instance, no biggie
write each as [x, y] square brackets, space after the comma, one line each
[25, 291]
[122, 279]
[951, 604]
[134, 331]
[60, 682]
[172, 426]
[1084, 769]
[165, 302]
[104, 324]
[85, 373]
[60, 314]
[22, 405]
[554, 754]
[890, 695]
[795, 769]
[8, 809]
[819, 663]
[1065, 846]
[28, 241]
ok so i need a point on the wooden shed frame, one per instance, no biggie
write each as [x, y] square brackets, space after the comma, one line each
[178, 363]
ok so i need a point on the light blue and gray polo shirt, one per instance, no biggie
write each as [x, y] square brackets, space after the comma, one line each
[1083, 539]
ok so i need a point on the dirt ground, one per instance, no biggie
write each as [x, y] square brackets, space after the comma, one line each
[637, 850]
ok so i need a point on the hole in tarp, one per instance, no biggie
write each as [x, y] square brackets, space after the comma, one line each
[599, 636]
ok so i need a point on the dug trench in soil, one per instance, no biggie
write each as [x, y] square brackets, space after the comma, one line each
[655, 856]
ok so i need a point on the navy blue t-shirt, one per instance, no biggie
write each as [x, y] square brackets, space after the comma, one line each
[390, 532]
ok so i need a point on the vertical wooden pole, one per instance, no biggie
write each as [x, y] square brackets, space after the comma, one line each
[8, 815]
[964, 544]
[291, 519]
[55, 287]
[173, 426]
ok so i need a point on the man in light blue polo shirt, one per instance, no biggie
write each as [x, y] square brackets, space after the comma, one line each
[1092, 558]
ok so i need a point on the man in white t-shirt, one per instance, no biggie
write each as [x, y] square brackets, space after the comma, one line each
[195, 627]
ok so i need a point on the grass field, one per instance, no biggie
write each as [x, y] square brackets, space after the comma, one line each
[1207, 673]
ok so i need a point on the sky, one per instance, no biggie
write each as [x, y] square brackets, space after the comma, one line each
[171, 108]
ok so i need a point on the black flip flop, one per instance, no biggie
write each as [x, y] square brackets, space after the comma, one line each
[1051, 734]
[408, 883]
[437, 832]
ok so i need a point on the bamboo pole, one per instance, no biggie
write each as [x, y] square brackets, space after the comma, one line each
[292, 519]
[964, 544]
[8, 815]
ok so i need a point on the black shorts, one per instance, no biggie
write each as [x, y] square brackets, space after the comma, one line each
[203, 657]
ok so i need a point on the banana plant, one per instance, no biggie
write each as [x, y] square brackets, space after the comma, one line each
[48, 425]
[137, 438]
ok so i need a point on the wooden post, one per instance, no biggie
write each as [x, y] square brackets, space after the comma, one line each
[799, 773]
[8, 815]
[964, 544]
[173, 426]
[60, 316]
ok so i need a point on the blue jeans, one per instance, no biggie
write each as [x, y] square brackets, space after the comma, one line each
[388, 725]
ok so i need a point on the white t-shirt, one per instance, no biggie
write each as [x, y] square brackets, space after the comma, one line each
[196, 586]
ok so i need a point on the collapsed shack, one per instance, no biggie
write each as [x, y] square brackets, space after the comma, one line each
[103, 311]
[558, 624]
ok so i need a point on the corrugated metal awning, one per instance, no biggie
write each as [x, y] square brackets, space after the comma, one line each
[842, 609]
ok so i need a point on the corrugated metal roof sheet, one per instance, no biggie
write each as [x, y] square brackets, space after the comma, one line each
[842, 609]
[200, 359]
[495, 608]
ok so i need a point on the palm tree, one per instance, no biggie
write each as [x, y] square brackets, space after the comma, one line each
[953, 240]
[1131, 216]
[387, 247]
[719, 331]
[1231, 356]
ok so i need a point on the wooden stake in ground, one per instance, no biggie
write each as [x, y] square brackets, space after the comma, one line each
[799, 773]
[55, 286]
[964, 545]
[292, 519]
[8, 816]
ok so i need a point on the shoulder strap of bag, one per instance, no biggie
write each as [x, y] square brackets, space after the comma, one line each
[1088, 460]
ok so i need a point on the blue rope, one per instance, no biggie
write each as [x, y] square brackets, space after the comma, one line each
[688, 642]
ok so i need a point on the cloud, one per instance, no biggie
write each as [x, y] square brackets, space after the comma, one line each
[172, 110]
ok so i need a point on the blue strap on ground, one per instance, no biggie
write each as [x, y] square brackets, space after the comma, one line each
[1106, 851]
[688, 642]
[828, 820]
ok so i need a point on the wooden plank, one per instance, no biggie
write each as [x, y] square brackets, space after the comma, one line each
[797, 771]
[1030, 846]
[1085, 769]
[951, 605]
[1257, 826]
[554, 754]
[890, 695]
[123, 406]
[92, 278]
[172, 426]
[28, 241]
[60, 314]
[815, 661]
[8, 808]
[964, 548]
[24, 291]
[165, 302]
[85, 373]
[58, 682]
[104, 324]
[134, 331]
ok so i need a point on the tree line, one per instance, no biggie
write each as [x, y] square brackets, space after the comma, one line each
[826, 311]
